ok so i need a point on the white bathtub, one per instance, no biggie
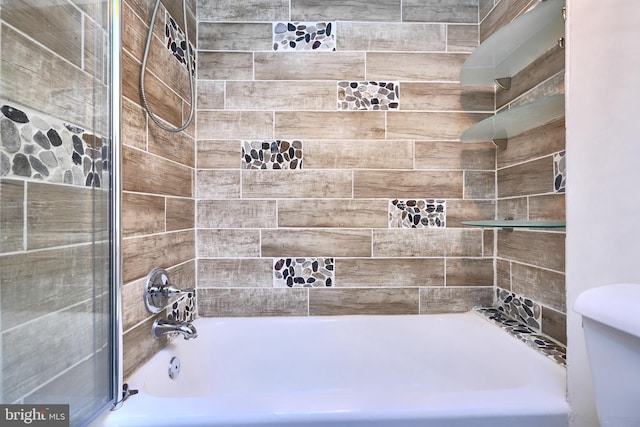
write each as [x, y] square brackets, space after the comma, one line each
[430, 370]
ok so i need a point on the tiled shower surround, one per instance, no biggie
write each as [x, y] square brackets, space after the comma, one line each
[335, 211]
[253, 217]
[158, 207]
[377, 168]
[336, 207]
[368, 187]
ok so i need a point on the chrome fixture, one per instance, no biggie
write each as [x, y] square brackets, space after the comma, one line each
[114, 55]
[163, 327]
[157, 290]
[127, 392]
[174, 367]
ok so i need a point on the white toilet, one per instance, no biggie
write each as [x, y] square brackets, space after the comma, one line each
[611, 323]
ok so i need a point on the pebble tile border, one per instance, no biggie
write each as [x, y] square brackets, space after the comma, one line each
[304, 36]
[303, 272]
[517, 307]
[272, 154]
[36, 146]
[370, 96]
[560, 172]
[176, 42]
[184, 309]
[540, 342]
[423, 213]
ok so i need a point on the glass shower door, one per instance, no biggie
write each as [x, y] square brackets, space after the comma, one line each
[55, 292]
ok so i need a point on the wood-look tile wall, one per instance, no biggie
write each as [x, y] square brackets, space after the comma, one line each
[53, 237]
[355, 162]
[531, 263]
[158, 172]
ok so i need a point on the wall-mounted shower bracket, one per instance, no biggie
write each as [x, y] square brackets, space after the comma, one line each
[157, 290]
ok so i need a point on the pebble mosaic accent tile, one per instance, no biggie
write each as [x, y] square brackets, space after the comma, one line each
[517, 307]
[371, 96]
[542, 343]
[36, 146]
[184, 309]
[424, 213]
[303, 272]
[272, 154]
[297, 36]
[560, 172]
[176, 42]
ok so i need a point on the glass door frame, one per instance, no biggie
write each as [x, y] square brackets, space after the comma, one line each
[115, 89]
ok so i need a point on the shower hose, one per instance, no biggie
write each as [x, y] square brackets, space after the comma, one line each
[189, 69]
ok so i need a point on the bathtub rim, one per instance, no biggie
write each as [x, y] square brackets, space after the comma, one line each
[443, 406]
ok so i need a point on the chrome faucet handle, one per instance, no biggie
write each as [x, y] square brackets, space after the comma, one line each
[171, 291]
[157, 290]
[168, 291]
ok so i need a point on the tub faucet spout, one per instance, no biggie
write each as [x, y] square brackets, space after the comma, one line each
[164, 327]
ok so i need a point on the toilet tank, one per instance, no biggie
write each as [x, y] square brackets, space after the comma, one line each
[611, 323]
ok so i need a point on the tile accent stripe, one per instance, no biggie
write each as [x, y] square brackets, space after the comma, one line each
[36, 146]
[371, 96]
[176, 42]
[272, 154]
[560, 172]
[542, 343]
[520, 308]
[302, 36]
[303, 272]
[423, 213]
[184, 309]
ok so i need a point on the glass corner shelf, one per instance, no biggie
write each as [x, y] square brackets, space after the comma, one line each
[515, 45]
[506, 124]
[510, 224]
